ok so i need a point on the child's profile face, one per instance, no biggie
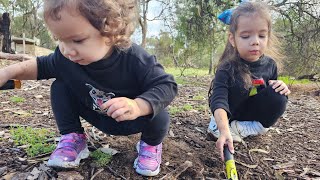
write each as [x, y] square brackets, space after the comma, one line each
[251, 37]
[78, 40]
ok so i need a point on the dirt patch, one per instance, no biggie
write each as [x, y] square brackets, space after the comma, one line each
[289, 150]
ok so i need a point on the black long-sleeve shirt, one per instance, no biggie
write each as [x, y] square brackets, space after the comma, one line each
[228, 91]
[132, 74]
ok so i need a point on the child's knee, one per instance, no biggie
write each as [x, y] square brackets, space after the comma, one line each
[275, 97]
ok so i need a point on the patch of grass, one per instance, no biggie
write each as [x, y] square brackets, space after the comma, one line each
[176, 72]
[100, 158]
[198, 97]
[201, 107]
[185, 79]
[180, 80]
[34, 139]
[290, 80]
[17, 99]
[174, 109]
[187, 107]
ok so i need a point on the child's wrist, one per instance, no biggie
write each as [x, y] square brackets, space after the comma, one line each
[143, 106]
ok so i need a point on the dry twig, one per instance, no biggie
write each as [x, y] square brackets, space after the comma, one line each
[175, 173]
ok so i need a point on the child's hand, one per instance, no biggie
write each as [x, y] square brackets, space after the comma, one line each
[224, 138]
[122, 109]
[280, 86]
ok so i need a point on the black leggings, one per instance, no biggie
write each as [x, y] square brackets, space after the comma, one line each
[266, 107]
[67, 108]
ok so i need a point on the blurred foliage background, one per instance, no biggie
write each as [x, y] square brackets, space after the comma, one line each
[193, 37]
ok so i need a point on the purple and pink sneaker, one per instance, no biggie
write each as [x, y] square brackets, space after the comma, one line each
[70, 150]
[149, 159]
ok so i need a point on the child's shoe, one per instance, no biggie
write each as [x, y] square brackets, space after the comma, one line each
[70, 150]
[149, 159]
[248, 128]
[213, 131]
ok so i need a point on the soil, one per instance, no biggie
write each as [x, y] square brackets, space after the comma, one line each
[290, 149]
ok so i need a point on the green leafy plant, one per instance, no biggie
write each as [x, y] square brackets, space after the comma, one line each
[34, 139]
[173, 110]
[17, 99]
[100, 158]
[198, 97]
[187, 107]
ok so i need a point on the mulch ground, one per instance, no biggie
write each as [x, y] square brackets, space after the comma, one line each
[290, 150]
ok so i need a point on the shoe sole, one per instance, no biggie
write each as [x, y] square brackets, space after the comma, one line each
[141, 171]
[145, 172]
[211, 137]
[62, 164]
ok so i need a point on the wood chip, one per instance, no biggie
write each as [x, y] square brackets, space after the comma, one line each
[251, 166]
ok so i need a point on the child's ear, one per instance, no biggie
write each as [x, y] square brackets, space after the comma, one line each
[231, 39]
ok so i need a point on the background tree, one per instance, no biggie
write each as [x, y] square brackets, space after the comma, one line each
[199, 30]
[27, 18]
[5, 31]
[144, 18]
[299, 25]
[193, 36]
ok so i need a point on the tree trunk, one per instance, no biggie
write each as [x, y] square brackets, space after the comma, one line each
[5, 26]
[211, 60]
[143, 22]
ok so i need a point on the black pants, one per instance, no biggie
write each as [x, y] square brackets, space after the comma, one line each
[266, 107]
[67, 109]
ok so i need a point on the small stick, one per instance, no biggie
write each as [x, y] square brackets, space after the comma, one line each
[115, 173]
[175, 173]
[99, 171]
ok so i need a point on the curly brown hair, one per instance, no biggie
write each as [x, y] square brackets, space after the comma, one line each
[115, 19]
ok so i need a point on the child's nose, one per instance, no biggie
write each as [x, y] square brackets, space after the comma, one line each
[255, 41]
[68, 51]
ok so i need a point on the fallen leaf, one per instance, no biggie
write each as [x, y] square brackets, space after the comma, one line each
[34, 174]
[278, 175]
[198, 129]
[259, 150]
[171, 133]
[283, 165]
[109, 151]
[251, 166]
[305, 171]
[268, 159]
[22, 113]
[290, 129]
[38, 96]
